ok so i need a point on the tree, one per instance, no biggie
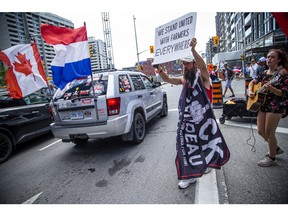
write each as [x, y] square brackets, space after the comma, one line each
[2, 75]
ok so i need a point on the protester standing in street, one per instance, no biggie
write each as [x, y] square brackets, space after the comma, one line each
[275, 104]
[229, 75]
[213, 73]
[246, 71]
[261, 66]
[199, 141]
[253, 69]
[51, 90]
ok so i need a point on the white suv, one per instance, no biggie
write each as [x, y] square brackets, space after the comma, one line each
[121, 103]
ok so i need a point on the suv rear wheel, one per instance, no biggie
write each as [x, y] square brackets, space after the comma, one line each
[5, 147]
[138, 127]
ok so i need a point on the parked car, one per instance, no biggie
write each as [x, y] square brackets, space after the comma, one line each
[21, 120]
[119, 103]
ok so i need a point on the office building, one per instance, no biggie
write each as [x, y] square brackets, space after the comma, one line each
[21, 28]
[98, 54]
[253, 34]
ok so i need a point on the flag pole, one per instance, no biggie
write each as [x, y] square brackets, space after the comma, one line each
[92, 85]
[51, 96]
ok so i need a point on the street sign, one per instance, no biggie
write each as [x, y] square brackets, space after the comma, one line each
[210, 67]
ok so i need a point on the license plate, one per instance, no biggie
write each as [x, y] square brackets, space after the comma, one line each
[76, 115]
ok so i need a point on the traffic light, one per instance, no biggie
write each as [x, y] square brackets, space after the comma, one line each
[91, 51]
[216, 40]
[243, 57]
[151, 49]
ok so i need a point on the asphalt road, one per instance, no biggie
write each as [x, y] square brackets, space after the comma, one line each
[47, 171]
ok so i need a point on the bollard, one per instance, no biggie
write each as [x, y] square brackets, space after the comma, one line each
[217, 98]
[247, 81]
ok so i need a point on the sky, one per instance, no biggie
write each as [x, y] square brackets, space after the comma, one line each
[123, 31]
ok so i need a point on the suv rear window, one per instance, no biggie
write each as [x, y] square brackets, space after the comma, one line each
[82, 88]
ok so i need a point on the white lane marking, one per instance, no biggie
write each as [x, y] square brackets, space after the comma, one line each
[172, 110]
[49, 145]
[31, 200]
[206, 189]
[235, 124]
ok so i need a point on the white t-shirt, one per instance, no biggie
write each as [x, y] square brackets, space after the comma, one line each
[253, 70]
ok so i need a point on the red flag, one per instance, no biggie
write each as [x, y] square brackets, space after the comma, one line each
[282, 20]
[61, 35]
[25, 73]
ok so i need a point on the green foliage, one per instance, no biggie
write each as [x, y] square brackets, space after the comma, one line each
[2, 76]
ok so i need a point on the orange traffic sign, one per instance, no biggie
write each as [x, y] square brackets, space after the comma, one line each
[210, 67]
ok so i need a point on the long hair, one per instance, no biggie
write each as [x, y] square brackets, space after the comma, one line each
[283, 58]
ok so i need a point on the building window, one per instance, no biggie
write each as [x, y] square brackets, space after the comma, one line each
[258, 31]
[254, 30]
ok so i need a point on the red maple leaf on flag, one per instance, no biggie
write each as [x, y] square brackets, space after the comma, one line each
[24, 66]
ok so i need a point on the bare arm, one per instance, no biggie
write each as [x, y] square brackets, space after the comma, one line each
[166, 78]
[200, 64]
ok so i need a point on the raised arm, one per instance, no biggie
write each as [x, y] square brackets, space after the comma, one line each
[166, 78]
[200, 64]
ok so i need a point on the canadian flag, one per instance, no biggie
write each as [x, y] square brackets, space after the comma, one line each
[25, 73]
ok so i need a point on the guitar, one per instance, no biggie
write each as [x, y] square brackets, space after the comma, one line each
[254, 104]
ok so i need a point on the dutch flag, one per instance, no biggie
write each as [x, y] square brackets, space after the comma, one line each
[72, 58]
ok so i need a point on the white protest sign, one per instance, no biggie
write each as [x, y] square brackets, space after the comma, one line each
[172, 40]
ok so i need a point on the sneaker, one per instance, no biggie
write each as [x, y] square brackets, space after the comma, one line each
[266, 162]
[185, 183]
[278, 152]
[232, 95]
[208, 170]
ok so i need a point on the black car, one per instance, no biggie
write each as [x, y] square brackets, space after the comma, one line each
[21, 120]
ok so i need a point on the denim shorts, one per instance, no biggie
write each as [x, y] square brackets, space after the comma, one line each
[228, 83]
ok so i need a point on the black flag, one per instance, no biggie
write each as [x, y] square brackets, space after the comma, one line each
[199, 143]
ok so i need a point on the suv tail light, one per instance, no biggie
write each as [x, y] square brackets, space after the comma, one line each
[113, 106]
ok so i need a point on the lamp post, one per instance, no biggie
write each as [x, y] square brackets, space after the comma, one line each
[243, 55]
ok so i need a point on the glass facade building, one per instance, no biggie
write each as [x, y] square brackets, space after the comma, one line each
[252, 33]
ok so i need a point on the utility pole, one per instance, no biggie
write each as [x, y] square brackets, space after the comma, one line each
[136, 41]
